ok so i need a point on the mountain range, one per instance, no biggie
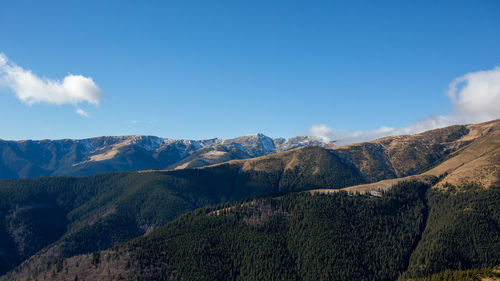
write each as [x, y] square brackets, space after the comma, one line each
[68, 157]
[394, 208]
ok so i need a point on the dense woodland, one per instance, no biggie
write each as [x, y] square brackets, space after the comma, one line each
[332, 237]
[298, 236]
[411, 231]
[463, 231]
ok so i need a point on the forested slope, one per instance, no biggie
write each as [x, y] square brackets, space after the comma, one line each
[297, 236]
[408, 232]
[462, 232]
[85, 214]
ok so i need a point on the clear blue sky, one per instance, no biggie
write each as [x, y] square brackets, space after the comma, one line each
[201, 69]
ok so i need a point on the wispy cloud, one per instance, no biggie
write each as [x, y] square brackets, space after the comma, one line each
[82, 112]
[475, 98]
[31, 89]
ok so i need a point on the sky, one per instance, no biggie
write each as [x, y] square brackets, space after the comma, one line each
[343, 70]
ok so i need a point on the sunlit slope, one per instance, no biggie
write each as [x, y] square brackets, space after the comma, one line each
[475, 160]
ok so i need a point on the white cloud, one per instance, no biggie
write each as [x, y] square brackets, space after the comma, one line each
[82, 112]
[31, 89]
[475, 98]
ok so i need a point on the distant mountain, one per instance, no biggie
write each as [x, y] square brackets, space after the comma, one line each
[68, 157]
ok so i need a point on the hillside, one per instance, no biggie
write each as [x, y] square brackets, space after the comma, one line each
[84, 214]
[390, 157]
[401, 156]
[474, 159]
[410, 231]
[478, 162]
[294, 237]
[483, 274]
[47, 219]
[27, 159]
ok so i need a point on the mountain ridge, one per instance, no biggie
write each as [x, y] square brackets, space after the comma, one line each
[78, 157]
[474, 160]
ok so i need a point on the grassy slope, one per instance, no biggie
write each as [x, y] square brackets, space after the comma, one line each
[483, 274]
[401, 156]
[477, 160]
